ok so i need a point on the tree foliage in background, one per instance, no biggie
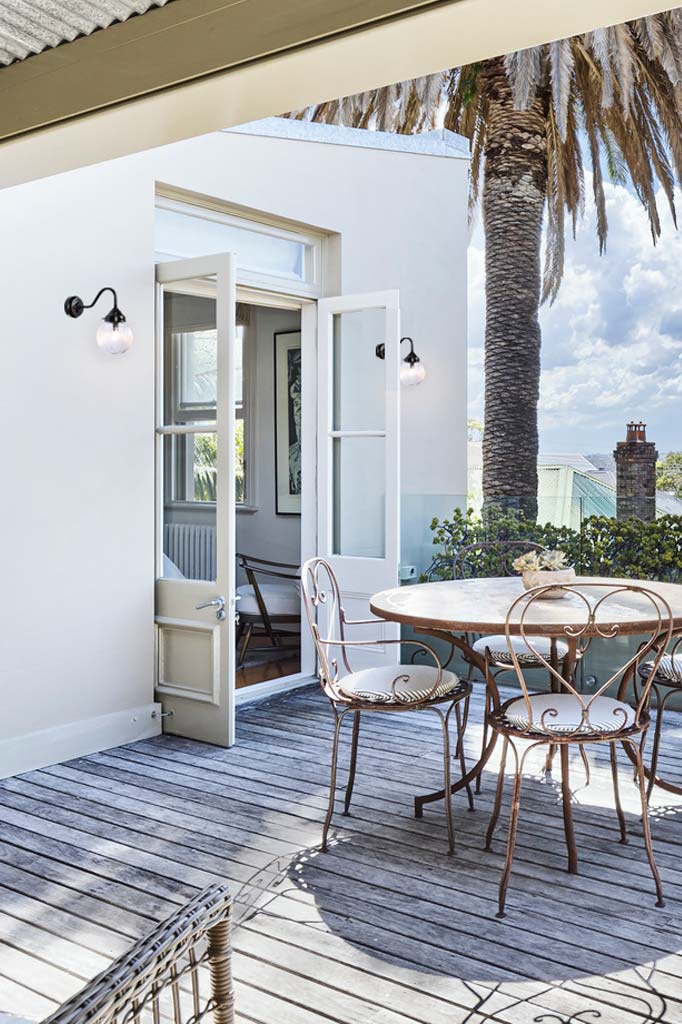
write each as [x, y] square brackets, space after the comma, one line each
[206, 464]
[614, 93]
[669, 474]
[602, 547]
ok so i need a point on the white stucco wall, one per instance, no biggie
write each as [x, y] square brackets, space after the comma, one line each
[78, 516]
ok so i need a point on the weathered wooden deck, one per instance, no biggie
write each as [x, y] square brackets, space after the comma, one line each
[385, 928]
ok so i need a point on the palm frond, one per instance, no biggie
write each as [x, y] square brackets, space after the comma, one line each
[524, 68]
[620, 86]
[561, 62]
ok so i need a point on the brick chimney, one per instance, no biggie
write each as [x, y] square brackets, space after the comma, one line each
[636, 474]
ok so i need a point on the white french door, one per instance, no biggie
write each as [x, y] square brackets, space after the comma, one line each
[358, 471]
[195, 546]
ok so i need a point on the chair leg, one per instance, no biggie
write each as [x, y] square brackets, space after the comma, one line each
[586, 764]
[338, 721]
[549, 760]
[353, 763]
[220, 970]
[462, 756]
[653, 765]
[465, 719]
[567, 808]
[484, 742]
[511, 842]
[245, 642]
[616, 793]
[498, 797]
[444, 721]
[646, 827]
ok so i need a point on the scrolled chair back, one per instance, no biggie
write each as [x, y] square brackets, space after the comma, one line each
[490, 558]
[597, 611]
[326, 618]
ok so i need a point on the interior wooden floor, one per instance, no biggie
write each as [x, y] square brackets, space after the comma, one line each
[386, 928]
[261, 672]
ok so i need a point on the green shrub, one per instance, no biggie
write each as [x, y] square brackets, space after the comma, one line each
[602, 547]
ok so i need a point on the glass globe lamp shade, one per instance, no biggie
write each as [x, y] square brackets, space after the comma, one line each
[114, 338]
[412, 374]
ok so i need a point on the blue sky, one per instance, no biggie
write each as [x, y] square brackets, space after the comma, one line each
[612, 341]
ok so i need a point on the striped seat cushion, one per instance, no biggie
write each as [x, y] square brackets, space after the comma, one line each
[562, 713]
[374, 685]
[499, 648]
[669, 667]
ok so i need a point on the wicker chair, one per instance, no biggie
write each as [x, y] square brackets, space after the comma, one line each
[384, 689]
[160, 976]
[563, 716]
[270, 599]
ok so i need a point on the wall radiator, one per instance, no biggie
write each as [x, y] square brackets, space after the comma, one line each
[192, 549]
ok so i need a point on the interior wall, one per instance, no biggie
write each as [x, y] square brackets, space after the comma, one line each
[262, 532]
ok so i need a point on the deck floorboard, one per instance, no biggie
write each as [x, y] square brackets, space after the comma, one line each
[386, 928]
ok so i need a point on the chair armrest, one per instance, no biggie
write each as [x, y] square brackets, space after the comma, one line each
[197, 934]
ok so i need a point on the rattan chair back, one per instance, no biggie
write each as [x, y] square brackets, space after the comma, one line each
[180, 973]
[595, 613]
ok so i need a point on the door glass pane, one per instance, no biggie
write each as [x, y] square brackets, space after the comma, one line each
[190, 358]
[189, 512]
[359, 496]
[359, 375]
[183, 235]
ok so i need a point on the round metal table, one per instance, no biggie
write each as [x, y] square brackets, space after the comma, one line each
[448, 609]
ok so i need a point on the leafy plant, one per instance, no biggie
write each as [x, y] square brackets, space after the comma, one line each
[602, 547]
[669, 474]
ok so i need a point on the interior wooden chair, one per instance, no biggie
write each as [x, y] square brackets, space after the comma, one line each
[382, 689]
[181, 972]
[269, 600]
[562, 716]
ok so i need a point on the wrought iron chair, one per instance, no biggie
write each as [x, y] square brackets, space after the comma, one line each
[384, 689]
[666, 684]
[494, 558]
[270, 599]
[564, 716]
[161, 975]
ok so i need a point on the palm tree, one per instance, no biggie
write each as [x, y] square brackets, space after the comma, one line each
[614, 95]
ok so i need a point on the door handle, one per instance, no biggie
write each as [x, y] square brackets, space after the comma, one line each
[218, 603]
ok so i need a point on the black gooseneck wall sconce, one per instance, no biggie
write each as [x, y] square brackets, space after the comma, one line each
[412, 369]
[113, 335]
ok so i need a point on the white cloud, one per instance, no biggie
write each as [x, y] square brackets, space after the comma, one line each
[612, 341]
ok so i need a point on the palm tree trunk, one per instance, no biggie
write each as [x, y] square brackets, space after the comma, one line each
[514, 192]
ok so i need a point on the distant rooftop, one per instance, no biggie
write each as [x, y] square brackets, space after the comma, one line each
[436, 143]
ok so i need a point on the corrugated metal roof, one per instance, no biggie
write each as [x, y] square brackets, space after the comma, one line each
[28, 27]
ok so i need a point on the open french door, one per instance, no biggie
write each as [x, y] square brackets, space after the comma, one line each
[195, 545]
[358, 471]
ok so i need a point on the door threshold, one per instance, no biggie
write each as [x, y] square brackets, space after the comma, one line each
[271, 687]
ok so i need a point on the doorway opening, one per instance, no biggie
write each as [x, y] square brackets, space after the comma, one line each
[268, 487]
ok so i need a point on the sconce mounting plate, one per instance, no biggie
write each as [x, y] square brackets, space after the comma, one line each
[73, 306]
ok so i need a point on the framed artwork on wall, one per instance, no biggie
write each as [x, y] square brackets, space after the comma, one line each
[288, 422]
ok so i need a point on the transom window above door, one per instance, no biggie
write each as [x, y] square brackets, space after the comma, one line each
[269, 253]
